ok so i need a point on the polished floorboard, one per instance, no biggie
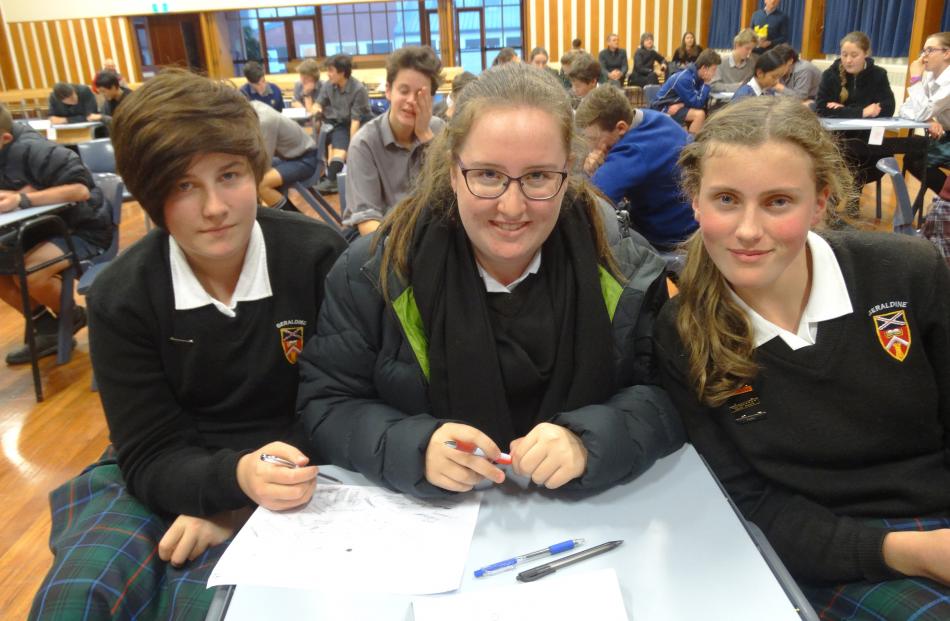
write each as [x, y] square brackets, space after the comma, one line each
[43, 445]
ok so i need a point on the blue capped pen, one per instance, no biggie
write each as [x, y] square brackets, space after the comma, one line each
[507, 564]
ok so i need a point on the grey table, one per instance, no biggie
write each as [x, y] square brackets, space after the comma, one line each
[686, 555]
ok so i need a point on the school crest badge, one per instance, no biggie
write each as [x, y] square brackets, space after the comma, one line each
[893, 333]
[291, 339]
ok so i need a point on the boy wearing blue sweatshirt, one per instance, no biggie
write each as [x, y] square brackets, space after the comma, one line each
[684, 95]
[633, 155]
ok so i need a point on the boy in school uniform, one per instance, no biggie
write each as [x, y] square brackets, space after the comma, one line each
[33, 172]
[585, 73]
[344, 103]
[307, 88]
[113, 93]
[386, 156]
[738, 66]
[685, 94]
[259, 89]
[72, 103]
[633, 155]
[291, 151]
[194, 337]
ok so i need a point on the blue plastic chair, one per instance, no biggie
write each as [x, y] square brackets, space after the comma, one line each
[650, 91]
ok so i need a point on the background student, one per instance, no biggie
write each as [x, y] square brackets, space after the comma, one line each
[506, 55]
[853, 87]
[686, 53]
[33, 172]
[72, 103]
[769, 69]
[386, 156]
[113, 93]
[194, 336]
[632, 155]
[922, 96]
[307, 87]
[259, 89]
[344, 103]
[613, 60]
[479, 314]
[584, 73]
[737, 67]
[291, 153]
[685, 95]
[802, 77]
[792, 359]
[648, 64]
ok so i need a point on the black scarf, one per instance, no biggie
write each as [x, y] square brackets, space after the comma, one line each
[465, 382]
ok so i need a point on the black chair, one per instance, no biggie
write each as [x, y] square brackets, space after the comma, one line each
[99, 157]
[650, 91]
[112, 190]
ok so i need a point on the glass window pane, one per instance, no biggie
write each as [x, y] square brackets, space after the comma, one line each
[306, 10]
[331, 34]
[267, 12]
[493, 28]
[345, 9]
[364, 35]
[252, 40]
[378, 7]
[305, 38]
[432, 4]
[328, 9]
[434, 39]
[348, 34]
[249, 14]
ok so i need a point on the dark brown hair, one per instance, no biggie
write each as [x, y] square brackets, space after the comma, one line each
[708, 58]
[309, 68]
[604, 107]
[172, 118]
[584, 68]
[420, 58]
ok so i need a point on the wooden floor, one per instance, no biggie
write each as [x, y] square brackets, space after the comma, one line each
[43, 445]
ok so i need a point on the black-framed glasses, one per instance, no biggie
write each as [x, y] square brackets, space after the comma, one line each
[927, 51]
[537, 185]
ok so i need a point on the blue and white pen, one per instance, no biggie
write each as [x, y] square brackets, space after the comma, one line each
[507, 564]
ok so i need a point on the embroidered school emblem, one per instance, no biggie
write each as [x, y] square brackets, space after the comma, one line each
[893, 333]
[291, 339]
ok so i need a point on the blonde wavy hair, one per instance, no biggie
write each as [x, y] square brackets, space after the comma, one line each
[716, 332]
[505, 87]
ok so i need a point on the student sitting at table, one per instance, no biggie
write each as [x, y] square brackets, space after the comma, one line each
[801, 78]
[584, 73]
[307, 88]
[113, 93]
[853, 88]
[685, 94]
[344, 103]
[815, 384]
[686, 53]
[934, 86]
[291, 152]
[386, 156]
[259, 89]
[648, 64]
[632, 155]
[738, 66]
[492, 307]
[34, 172]
[194, 334]
[769, 69]
[72, 103]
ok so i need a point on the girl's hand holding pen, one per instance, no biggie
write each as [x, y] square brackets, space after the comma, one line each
[274, 486]
[459, 471]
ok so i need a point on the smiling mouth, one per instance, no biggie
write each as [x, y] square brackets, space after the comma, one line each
[510, 226]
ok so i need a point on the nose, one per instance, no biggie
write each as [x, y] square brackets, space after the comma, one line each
[749, 229]
[215, 207]
[511, 203]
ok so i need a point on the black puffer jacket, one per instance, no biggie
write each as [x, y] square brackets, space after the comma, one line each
[363, 397]
[867, 87]
[33, 160]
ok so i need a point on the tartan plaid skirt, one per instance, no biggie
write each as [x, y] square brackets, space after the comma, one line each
[106, 564]
[907, 599]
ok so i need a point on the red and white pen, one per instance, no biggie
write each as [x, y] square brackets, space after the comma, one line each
[467, 447]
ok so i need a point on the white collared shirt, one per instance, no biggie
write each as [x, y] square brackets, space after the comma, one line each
[253, 283]
[493, 286]
[921, 97]
[755, 87]
[828, 299]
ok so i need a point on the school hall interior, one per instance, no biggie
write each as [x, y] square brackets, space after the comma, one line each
[44, 444]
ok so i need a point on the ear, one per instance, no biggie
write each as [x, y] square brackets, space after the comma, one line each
[696, 211]
[621, 128]
[6, 138]
[453, 174]
[821, 204]
[389, 91]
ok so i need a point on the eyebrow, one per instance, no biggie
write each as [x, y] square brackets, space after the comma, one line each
[500, 168]
[778, 190]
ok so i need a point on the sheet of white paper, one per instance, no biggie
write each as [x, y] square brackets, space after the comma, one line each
[877, 135]
[587, 595]
[885, 123]
[357, 539]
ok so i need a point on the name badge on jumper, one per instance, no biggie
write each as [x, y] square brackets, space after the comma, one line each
[745, 406]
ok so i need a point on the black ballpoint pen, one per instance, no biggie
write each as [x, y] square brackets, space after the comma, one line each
[549, 568]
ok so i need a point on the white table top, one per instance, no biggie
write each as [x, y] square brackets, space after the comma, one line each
[295, 113]
[19, 215]
[685, 556]
[865, 124]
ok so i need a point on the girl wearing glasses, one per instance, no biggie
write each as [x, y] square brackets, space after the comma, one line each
[933, 87]
[494, 308]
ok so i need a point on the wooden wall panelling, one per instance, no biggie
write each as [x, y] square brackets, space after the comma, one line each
[927, 16]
